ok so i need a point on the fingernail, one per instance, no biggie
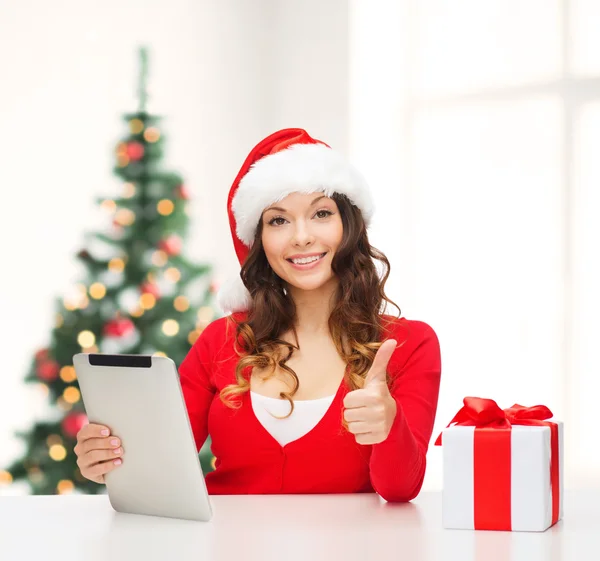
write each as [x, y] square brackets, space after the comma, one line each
[105, 432]
[117, 462]
[114, 442]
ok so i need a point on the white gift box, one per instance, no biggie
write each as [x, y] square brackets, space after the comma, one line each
[524, 472]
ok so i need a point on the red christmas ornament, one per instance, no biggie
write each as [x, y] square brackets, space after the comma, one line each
[135, 151]
[181, 192]
[118, 327]
[150, 288]
[73, 423]
[47, 370]
[171, 245]
[42, 354]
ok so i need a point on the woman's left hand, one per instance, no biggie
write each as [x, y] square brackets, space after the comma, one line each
[370, 411]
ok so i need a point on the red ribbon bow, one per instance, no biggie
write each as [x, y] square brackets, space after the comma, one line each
[492, 451]
[480, 412]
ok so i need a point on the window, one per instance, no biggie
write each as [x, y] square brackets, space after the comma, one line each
[477, 125]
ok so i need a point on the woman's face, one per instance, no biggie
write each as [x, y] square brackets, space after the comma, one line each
[302, 224]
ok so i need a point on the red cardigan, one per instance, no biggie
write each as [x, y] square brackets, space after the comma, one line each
[327, 459]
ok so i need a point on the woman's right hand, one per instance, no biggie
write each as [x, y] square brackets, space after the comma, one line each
[96, 452]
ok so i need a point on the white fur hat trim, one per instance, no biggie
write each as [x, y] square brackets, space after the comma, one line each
[303, 168]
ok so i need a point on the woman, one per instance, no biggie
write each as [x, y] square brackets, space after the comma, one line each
[305, 387]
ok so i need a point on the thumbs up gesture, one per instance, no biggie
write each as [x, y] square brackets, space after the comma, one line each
[370, 411]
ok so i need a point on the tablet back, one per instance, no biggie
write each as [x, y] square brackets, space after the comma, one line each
[139, 398]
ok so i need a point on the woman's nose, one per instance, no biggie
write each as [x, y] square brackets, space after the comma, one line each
[302, 235]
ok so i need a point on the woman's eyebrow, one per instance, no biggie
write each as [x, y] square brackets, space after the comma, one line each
[284, 210]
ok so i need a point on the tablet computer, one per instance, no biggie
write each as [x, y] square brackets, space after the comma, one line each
[139, 398]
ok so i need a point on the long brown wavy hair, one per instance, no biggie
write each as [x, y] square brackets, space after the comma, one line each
[355, 322]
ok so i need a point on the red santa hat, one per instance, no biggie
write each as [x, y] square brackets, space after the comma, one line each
[285, 162]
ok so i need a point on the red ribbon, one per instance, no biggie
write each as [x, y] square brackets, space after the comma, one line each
[492, 457]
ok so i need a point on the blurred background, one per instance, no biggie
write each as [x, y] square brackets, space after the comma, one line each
[475, 123]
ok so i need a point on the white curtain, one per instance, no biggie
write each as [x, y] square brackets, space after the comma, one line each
[476, 123]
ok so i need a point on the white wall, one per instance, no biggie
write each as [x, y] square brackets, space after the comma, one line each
[224, 74]
[487, 218]
[480, 141]
[309, 67]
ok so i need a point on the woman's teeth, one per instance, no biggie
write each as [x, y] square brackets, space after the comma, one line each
[307, 260]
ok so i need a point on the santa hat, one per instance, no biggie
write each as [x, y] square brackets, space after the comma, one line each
[285, 162]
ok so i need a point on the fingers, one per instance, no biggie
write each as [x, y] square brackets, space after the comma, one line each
[368, 438]
[98, 471]
[92, 457]
[378, 369]
[361, 414]
[92, 430]
[360, 427]
[105, 443]
[91, 444]
[360, 398]
[97, 453]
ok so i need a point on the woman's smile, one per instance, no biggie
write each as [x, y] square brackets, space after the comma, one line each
[307, 266]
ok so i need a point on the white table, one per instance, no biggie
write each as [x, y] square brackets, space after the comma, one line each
[283, 527]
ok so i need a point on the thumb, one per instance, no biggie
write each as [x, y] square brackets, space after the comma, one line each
[377, 372]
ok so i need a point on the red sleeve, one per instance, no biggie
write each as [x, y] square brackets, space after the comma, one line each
[397, 464]
[197, 387]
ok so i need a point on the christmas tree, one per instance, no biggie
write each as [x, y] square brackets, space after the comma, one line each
[141, 295]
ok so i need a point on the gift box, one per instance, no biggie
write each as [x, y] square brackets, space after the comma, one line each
[503, 469]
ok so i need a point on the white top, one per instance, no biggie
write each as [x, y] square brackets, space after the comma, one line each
[306, 415]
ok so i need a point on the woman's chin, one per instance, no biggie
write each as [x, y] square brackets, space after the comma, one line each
[307, 285]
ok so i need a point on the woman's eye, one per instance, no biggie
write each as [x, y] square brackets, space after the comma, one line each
[327, 213]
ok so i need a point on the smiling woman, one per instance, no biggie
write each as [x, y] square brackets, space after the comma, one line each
[339, 295]
[304, 241]
[307, 322]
